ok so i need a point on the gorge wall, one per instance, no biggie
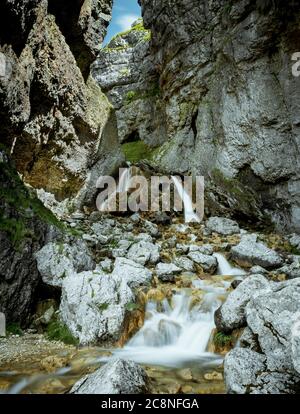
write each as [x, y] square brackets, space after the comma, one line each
[58, 124]
[212, 89]
[57, 127]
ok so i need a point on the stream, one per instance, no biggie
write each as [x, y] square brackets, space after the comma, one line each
[175, 337]
[175, 343]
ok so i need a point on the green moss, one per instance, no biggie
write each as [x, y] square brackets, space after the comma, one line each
[103, 307]
[136, 151]
[222, 340]
[57, 331]
[25, 205]
[131, 307]
[14, 329]
[132, 96]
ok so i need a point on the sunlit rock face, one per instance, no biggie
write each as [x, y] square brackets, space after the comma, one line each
[60, 125]
[229, 104]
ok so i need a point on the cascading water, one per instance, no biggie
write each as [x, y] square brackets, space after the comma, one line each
[189, 213]
[177, 333]
[225, 268]
[122, 187]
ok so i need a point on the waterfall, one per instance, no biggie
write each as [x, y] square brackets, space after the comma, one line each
[124, 181]
[176, 333]
[189, 213]
[122, 187]
[225, 269]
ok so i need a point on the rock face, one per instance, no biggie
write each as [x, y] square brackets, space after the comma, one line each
[60, 125]
[227, 107]
[24, 225]
[269, 361]
[125, 72]
[250, 252]
[115, 377]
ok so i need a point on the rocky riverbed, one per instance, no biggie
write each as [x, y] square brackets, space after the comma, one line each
[119, 274]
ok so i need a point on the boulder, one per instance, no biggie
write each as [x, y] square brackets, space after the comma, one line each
[115, 377]
[272, 317]
[208, 263]
[134, 274]
[184, 263]
[241, 368]
[231, 314]
[167, 272]
[223, 226]
[93, 306]
[291, 270]
[204, 249]
[144, 252]
[55, 261]
[250, 252]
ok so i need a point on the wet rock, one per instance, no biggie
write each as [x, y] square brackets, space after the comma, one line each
[52, 363]
[167, 272]
[133, 273]
[235, 283]
[144, 252]
[208, 263]
[213, 376]
[115, 377]
[56, 261]
[251, 252]
[231, 314]
[223, 226]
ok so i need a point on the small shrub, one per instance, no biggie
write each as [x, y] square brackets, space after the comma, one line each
[14, 329]
[222, 340]
[57, 331]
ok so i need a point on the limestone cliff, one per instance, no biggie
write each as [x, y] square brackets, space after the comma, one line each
[59, 125]
[227, 105]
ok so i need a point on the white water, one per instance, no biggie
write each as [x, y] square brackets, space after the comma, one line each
[124, 181]
[225, 269]
[177, 334]
[189, 213]
[122, 187]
